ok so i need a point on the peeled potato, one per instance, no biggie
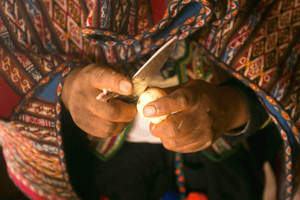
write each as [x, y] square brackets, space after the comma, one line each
[148, 96]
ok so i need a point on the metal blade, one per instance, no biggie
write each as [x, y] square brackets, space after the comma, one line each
[143, 77]
[150, 69]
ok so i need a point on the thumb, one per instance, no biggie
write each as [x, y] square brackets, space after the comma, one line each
[177, 101]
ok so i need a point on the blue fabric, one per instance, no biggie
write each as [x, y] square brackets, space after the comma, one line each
[49, 91]
[170, 196]
[276, 111]
[187, 12]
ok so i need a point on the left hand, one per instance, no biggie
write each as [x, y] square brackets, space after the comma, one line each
[199, 113]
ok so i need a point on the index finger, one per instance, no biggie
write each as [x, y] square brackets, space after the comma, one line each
[102, 77]
[177, 101]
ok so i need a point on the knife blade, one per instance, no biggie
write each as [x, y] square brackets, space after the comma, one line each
[143, 77]
[150, 69]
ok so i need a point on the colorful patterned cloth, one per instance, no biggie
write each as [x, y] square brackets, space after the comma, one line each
[257, 42]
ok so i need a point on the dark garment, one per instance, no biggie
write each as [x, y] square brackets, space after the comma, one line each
[237, 177]
[78, 158]
[146, 171]
[137, 171]
[256, 111]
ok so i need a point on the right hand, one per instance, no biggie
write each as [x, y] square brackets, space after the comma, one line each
[97, 118]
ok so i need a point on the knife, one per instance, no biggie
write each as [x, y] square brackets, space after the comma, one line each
[143, 77]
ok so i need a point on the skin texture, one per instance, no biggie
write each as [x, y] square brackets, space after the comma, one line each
[97, 118]
[199, 113]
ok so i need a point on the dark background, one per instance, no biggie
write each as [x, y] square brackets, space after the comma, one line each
[8, 191]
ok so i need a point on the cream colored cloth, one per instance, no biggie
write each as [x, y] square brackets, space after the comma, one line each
[139, 131]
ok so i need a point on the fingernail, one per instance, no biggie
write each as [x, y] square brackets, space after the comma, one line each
[124, 86]
[149, 111]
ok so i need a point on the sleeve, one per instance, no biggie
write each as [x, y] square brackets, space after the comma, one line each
[258, 117]
[40, 43]
[256, 111]
[270, 67]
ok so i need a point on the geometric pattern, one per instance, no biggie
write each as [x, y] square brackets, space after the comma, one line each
[144, 42]
[264, 54]
[37, 37]
[34, 51]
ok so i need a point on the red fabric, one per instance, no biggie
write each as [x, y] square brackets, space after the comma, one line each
[110, 144]
[197, 196]
[8, 99]
[24, 188]
[158, 10]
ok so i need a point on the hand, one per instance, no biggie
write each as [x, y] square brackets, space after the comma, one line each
[97, 118]
[199, 113]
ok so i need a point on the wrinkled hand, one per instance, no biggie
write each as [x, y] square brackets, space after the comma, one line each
[97, 118]
[199, 113]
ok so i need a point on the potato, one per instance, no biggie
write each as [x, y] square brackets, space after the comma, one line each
[150, 95]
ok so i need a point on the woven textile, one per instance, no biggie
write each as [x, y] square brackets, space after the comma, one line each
[257, 42]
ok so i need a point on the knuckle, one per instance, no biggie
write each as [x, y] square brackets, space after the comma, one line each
[105, 134]
[154, 131]
[91, 66]
[95, 74]
[76, 115]
[99, 73]
[110, 127]
[112, 113]
[131, 113]
[208, 144]
[209, 122]
[209, 129]
[208, 136]
[77, 121]
[204, 145]
[172, 130]
[166, 146]
[96, 77]
[183, 97]
[172, 143]
[88, 70]
[83, 124]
